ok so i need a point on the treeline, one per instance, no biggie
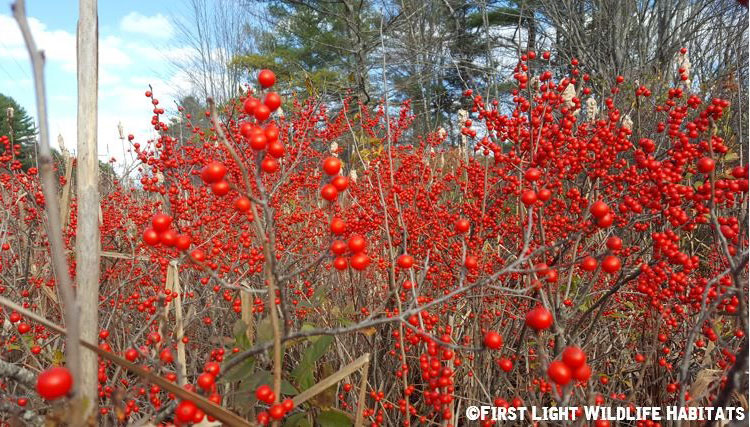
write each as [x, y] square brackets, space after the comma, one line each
[430, 51]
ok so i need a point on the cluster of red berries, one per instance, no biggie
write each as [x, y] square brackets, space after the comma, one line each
[276, 411]
[338, 184]
[356, 244]
[572, 366]
[161, 231]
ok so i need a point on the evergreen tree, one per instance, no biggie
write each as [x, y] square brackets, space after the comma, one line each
[19, 126]
[319, 48]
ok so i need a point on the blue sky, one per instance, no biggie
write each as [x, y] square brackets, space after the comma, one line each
[137, 46]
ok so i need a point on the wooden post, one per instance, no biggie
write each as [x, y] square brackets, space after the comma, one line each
[88, 243]
[246, 300]
[173, 285]
[65, 198]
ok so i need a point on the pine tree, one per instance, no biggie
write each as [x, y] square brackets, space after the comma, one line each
[19, 126]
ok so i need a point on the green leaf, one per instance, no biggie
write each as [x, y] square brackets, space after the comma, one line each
[242, 371]
[240, 336]
[297, 420]
[334, 418]
[265, 330]
[288, 389]
[252, 382]
[731, 156]
[303, 373]
[308, 327]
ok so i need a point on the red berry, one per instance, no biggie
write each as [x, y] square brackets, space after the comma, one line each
[559, 372]
[588, 264]
[706, 165]
[614, 243]
[338, 226]
[220, 188]
[356, 243]
[611, 264]
[262, 112]
[405, 261]
[574, 357]
[54, 383]
[150, 237]
[265, 394]
[539, 318]
[213, 172]
[532, 174]
[599, 209]
[340, 182]
[331, 165]
[329, 192]
[266, 78]
[462, 225]
[272, 101]
[131, 355]
[242, 204]
[506, 364]
[185, 411]
[359, 261]
[206, 381]
[338, 247]
[493, 340]
[276, 412]
[583, 373]
[528, 197]
[161, 222]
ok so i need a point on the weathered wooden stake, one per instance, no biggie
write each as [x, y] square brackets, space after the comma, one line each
[87, 179]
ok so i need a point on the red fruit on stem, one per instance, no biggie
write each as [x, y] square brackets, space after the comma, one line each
[161, 222]
[249, 105]
[539, 318]
[532, 174]
[340, 263]
[185, 411]
[583, 373]
[359, 261]
[589, 264]
[611, 264]
[493, 340]
[340, 182]
[462, 225]
[559, 372]
[505, 364]
[706, 165]
[329, 192]
[266, 78]
[262, 112]
[54, 383]
[272, 101]
[220, 188]
[150, 237]
[338, 226]
[213, 172]
[331, 165]
[276, 149]
[242, 204]
[599, 209]
[574, 357]
[528, 197]
[405, 261]
[357, 243]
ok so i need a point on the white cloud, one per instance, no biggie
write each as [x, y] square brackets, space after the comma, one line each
[126, 67]
[58, 45]
[153, 26]
[172, 54]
